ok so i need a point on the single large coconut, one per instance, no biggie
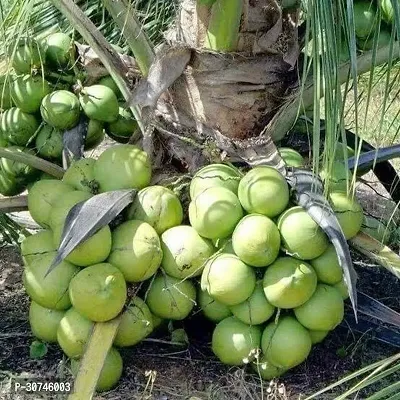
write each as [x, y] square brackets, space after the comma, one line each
[5, 92]
[256, 309]
[185, 252]
[44, 322]
[341, 287]
[215, 175]
[323, 311]
[348, 212]
[212, 309]
[266, 370]
[60, 49]
[80, 176]
[17, 126]
[256, 240]
[73, 333]
[25, 55]
[98, 292]
[289, 282]
[136, 250]
[287, 343]
[123, 167]
[136, 324]
[234, 342]
[291, 157]
[110, 373]
[300, 234]
[317, 336]
[100, 103]
[124, 126]
[49, 142]
[60, 109]
[41, 197]
[37, 245]
[365, 18]
[228, 280]
[263, 190]
[28, 91]
[49, 291]
[9, 185]
[94, 135]
[327, 266]
[171, 298]
[215, 212]
[158, 206]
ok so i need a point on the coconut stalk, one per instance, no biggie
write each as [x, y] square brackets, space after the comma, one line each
[13, 204]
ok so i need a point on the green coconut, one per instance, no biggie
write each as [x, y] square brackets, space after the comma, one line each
[36, 246]
[123, 167]
[382, 40]
[27, 92]
[9, 186]
[60, 109]
[185, 252]
[25, 55]
[267, 370]
[228, 280]
[124, 126]
[41, 197]
[110, 83]
[5, 92]
[49, 291]
[287, 343]
[215, 212]
[342, 288]
[49, 142]
[17, 126]
[44, 322]
[387, 10]
[212, 309]
[301, 236]
[323, 311]
[158, 206]
[256, 309]
[99, 102]
[317, 336]
[341, 151]
[110, 373]
[291, 157]
[215, 175]
[327, 266]
[73, 333]
[348, 211]
[171, 298]
[235, 342]
[136, 250]
[338, 177]
[95, 134]
[376, 228]
[289, 282]
[256, 240]
[365, 18]
[60, 49]
[80, 176]
[263, 190]
[136, 324]
[98, 292]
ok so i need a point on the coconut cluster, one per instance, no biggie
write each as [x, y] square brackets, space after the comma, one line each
[41, 98]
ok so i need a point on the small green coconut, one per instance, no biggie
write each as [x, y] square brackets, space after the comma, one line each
[136, 324]
[212, 309]
[123, 167]
[26, 55]
[158, 206]
[267, 370]
[44, 322]
[215, 212]
[185, 252]
[291, 157]
[300, 235]
[100, 103]
[80, 176]
[215, 175]
[136, 250]
[49, 142]
[110, 373]
[256, 309]
[228, 280]
[27, 92]
[365, 18]
[235, 342]
[327, 266]
[73, 333]
[323, 311]
[60, 50]
[109, 82]
[36, 246]
[60, 109]
[171, 298]
[348, 212]
[263, 190]
[9, 186]
[5, 92]
[124, 126]
[49, 291]
[17, 126]
[98, 292]
[95, 134]
[342, 288]
[289, 282]
[286, 344]
[317, 336]
[256, 240]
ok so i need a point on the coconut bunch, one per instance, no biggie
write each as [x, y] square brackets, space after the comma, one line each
[42, 97]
